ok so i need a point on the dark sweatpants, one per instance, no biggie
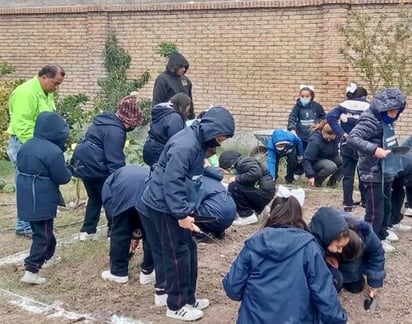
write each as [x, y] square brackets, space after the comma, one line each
[291, 165]
[153, 238]
[179, 260]
[378, 207]
[328, 167]
[43, 245]
[122, 228]
[249, 199]
[350, 162]
[94, 204]
[349, 276]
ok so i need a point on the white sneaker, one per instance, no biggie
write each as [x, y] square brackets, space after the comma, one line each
[146, 279]
[242, 221]
[33, 278]
[401, 227]
[387, 247]
[84, 236]
[107, 275]
[201, 304]
[265, 212]
[55, 259]
[186, 313]
[408, 212]
[392, 237]
[160, 300]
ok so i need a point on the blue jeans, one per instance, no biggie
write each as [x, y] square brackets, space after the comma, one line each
[12, 150]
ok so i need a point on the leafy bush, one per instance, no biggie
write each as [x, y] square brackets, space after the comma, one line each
[6, 88]
[116, 85]
[165, 49]
[380, 51]
[70, 108]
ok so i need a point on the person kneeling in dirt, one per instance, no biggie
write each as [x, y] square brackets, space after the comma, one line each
[284, 143]
[280, 275]
[352, 250]
[252, 187]
[321, 158]
[120, 192]
[217, 210]
[41, 169]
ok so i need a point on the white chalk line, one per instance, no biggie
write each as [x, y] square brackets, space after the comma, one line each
[53, 310]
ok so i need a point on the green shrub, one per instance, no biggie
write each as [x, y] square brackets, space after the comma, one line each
[6, 88]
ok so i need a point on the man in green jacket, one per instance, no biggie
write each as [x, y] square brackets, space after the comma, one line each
[26, 102]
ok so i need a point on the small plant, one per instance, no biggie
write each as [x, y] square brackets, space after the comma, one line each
[165, 49]
[6, 68]
[379, 51]
[70, 107]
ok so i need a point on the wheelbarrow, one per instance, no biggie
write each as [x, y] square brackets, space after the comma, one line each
[259, 152]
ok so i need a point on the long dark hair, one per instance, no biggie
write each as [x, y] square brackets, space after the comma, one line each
[180, 102]
[286, 212]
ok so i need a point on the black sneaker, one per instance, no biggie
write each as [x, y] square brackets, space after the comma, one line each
[348, 209]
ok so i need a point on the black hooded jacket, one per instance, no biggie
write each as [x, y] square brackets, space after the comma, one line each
[168, 83]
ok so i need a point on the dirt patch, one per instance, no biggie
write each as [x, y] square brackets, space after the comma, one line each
[77, 285]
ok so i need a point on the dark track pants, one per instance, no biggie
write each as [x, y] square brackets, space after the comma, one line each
[249, 199]
[43, 245]
[94, 204]
[378, 207]
[122, 228]
[179, 260]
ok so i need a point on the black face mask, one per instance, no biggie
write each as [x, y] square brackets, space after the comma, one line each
[129, 129]
[212, 143]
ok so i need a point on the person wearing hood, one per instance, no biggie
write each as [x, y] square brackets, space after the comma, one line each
[168, 118]
[373, 138]
[173, 81]
[251, 186]
[26, 102]
[284, 143]
[349, 263]
[172, 194]
[401, 188]
[99, 153]
[342, 120]
[216, 206]
[280, 275]
[321, 158]
[41, 170]
[305, 114]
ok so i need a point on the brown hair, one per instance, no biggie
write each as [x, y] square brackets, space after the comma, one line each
[324, 127]
[286, 212]
[354, 249]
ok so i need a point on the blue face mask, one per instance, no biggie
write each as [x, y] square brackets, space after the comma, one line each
[304, 101]
[386, 119]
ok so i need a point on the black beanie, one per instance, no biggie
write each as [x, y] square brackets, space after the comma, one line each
[358, 93]
[228, 158]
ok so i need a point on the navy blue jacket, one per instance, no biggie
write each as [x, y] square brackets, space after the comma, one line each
[123, 189]
[42, 169]
[175, 182]
[302, 118]
[100, 152]
[344, 117]
[166, 122]
[368, 135]
[250, 172]
[216, 202]
[169, 83]
[373, 257]
[317, 149]
[280, 277]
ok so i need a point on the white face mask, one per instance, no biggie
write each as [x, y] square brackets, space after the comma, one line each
[304, 101]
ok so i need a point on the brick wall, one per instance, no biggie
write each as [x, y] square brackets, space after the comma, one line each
[250, 56]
